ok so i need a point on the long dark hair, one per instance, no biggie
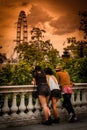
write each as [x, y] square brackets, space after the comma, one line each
[48, 71]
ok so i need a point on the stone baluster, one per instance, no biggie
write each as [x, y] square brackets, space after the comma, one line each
[37, 107]
[14, 107]
[30, 106]
[5, 108]
[22, 106]
[84, 102]
[78, 102]
[73, 99]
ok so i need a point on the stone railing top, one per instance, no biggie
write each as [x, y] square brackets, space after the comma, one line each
[30, 88]
[80, 86]
[17, 88]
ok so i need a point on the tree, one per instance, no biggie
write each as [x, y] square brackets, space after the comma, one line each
[2, 58]
[76, 48]
[76, 65]
[38, 50]
[77, 68]
[83, 23]
[21, 74]
[79, 48]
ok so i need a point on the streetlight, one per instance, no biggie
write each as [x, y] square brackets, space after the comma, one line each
[65, 55]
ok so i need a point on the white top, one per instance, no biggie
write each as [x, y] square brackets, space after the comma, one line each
[52, 81]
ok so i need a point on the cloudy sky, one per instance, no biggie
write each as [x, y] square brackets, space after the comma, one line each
[59, 18]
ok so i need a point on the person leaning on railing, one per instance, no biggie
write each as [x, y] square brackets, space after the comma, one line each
[39, 79]
[66, 90]
[55, 93]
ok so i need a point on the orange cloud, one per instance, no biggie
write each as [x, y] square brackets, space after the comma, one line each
[59, 18]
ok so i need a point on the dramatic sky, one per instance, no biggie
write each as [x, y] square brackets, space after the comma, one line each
[59, 18]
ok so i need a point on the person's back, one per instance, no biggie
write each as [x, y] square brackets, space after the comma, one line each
[40, 78]
[63, 78]
[52, 82]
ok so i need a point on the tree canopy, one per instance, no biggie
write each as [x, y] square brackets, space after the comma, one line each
[38, 50]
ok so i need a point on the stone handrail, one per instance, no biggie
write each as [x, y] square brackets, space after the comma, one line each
[18, 107]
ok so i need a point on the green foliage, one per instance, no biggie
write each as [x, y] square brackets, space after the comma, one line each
[21, 74]
[5, 74]
[77, 69]
[77, 49]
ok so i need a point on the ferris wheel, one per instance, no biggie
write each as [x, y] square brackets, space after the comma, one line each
[22, 33]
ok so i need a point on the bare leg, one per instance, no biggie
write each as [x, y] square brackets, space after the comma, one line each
[54, 106]
[45, 107]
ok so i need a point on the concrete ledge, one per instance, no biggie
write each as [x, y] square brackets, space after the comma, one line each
[24, 122]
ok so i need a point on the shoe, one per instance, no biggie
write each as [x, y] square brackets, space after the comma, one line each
[72, 118]
[47, 122]
[75, 119]
[56, 120]
[50, 120]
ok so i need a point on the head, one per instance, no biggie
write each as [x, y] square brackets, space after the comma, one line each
[48, 71]
[38, 68]
[58, 68]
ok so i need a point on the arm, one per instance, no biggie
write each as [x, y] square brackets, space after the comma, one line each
[33, 82]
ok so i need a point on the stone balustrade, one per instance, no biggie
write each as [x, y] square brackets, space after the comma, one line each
[18, 107]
